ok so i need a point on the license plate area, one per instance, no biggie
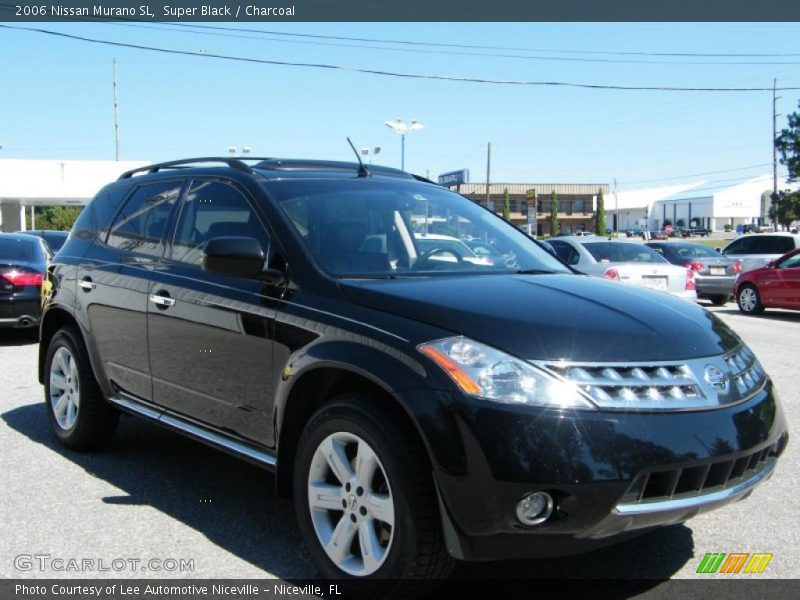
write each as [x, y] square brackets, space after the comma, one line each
[718, 270]
[655, 282]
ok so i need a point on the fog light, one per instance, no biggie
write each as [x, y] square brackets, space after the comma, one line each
[535, 508]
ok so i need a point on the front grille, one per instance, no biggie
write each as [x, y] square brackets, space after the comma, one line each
[693, 384]
[707, 477]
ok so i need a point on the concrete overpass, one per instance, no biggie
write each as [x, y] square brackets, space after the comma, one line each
[29, 183]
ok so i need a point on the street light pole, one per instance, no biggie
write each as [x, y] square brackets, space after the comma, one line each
[399, 126]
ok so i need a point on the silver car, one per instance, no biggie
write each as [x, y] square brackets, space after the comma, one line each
[756, 250]
[627, 262]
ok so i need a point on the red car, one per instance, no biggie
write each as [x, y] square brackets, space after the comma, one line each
[776, 285]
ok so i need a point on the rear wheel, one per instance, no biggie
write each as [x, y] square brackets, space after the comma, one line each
[79, 415]
[365, 500]
[749, 301]
[719, 300]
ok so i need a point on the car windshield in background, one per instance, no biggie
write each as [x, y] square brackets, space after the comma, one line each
[622, 252]
[16, 250]
[380, 228]
[694, 251]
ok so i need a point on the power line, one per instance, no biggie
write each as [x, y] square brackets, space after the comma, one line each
[696, 174]
[192, 29]
[484, 47]
[388, 73]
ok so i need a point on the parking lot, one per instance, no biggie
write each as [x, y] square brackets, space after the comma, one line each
[155, 495]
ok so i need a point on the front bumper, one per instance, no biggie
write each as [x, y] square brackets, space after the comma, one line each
[612, 474]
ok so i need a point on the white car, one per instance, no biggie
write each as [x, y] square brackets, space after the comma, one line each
[756, 250]
[448, 248]
[627, 262]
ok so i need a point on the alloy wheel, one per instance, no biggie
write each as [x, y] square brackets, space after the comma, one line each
[351, 504]
[748, 299]
[64, 388]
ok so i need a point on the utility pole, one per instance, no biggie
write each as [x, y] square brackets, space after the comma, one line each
[775, 116]
[616, 210]
[489, 204]
[116, 111]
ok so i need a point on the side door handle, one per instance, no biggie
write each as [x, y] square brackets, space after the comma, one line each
[161, 300]
[87, 285]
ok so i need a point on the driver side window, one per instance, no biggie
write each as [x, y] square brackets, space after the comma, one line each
[214, 209]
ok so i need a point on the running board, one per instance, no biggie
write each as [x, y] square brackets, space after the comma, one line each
[176, 423]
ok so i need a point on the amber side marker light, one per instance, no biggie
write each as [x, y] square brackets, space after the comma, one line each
[456, 373]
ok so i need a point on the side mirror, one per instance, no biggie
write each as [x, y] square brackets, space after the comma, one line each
[238, 257]
[771, 264]
[719, 250]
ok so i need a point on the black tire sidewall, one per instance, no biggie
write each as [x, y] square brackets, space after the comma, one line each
[346, 417]
[66, 338]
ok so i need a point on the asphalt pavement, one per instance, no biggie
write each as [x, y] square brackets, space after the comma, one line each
[154, 495]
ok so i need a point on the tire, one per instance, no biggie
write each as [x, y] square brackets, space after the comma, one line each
[410, 556]
[80, 417]
[749, 300]
[719, 300]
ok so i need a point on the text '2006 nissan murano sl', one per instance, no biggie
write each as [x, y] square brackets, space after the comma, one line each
[419, 407]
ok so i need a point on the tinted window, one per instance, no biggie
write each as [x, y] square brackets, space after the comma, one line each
[565, 252]
[22, 250]
[622, 252]
[791, 263]
[140, 225]
[214, 209]
[694, 251]
[740, 246]
[97, 216]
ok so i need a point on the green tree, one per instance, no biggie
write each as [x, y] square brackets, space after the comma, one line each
[788, 144]
[60, 218]
[680, 223]
[506, 206]
[667, 222]
[600, 215]
[554, 227]
[785, 207]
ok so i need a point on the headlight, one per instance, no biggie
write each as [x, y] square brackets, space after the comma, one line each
[481, 371]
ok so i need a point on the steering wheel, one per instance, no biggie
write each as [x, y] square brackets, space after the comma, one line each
[426, 257]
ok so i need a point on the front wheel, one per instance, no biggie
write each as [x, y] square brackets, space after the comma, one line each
[365, 500]
[749, 301]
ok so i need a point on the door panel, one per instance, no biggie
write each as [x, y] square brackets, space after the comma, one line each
[211, 350]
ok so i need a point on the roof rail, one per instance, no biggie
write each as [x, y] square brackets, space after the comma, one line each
[233, 163]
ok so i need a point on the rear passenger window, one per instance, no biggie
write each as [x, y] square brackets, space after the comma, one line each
[142, 222]
[214, 209]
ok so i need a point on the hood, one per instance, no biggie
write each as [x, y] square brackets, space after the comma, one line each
[553, 317]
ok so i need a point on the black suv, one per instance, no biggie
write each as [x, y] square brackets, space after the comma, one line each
[419, 406]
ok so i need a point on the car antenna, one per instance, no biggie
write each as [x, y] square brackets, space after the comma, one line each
[362, 170]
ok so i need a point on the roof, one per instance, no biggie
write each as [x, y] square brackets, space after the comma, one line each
[752, 187]
[542, 189]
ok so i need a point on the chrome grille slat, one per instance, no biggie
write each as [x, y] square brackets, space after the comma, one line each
[665, 386]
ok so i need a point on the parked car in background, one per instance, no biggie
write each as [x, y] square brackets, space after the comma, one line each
[23, 260]
[714, 275]
[756, 250]
[657, 235]
[54, 239]
[695, 232]
[776, 285]
[627, 262]
[435, 246]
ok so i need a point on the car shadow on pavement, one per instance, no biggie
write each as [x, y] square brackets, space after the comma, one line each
[232, 503]
[19, 337]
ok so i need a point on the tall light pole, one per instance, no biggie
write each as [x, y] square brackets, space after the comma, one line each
[374, 152]
[401, 127]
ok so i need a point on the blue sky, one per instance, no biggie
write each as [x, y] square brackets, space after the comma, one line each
[56, 98]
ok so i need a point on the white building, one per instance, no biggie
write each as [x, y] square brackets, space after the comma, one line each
[697, 204]
[29, 183]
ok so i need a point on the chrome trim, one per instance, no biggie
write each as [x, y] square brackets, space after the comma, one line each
[162, 300]
[218, 440]
[132, 405]
[87, 285]
[698, 500]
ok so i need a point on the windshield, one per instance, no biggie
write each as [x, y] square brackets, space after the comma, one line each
[622, 252]
[385, 228]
